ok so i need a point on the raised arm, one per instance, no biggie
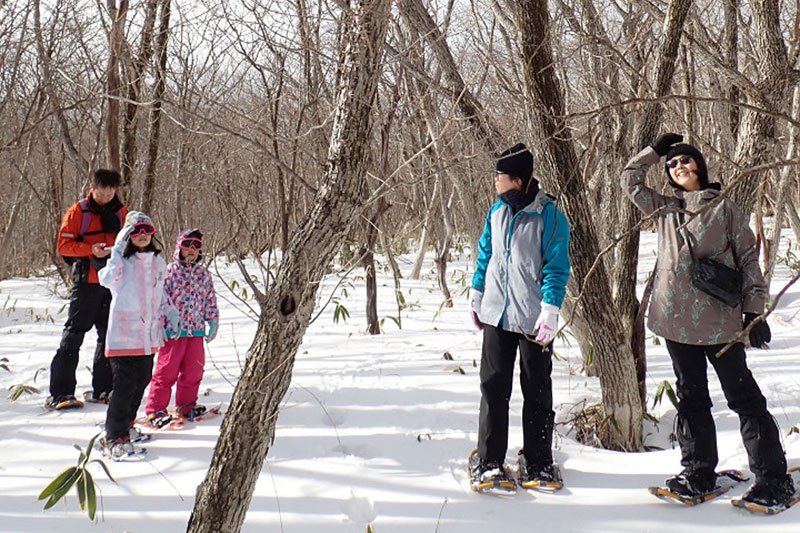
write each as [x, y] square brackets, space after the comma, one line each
[633, 176]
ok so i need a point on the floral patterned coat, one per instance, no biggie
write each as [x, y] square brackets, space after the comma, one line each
[679, 311]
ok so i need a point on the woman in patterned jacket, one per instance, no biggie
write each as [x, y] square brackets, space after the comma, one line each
[697, 326]
[189, 287]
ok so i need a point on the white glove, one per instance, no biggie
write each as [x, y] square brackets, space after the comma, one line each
[475, 299]
[547, 324]
[124, 234]
[173, 320]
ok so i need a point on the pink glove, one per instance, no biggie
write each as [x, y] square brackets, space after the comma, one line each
[475, 298]
[475, 320]
[547, 324]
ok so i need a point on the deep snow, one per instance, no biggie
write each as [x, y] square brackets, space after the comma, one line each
[374, 428]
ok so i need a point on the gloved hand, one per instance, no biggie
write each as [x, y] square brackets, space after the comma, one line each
[212, 331]
[121, 241]
[119, 247]
[172, 319]
[475, 299]
[663, 142]
[124, 234]
[547, 323]
[760, 334]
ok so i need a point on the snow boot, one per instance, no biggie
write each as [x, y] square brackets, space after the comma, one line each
[192, 411]
[67, 401]
[538, 476]
[159, 419]
[485, 475]
[770, 492]
[691, 483]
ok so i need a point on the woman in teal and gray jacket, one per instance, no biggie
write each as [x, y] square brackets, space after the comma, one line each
[519, 284]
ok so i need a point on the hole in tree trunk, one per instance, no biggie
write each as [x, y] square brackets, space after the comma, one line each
[288, 305]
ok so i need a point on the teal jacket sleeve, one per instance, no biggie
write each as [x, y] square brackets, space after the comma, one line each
[484, 254]
[555, 256]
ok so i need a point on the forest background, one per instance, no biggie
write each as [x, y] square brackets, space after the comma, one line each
[295, 131]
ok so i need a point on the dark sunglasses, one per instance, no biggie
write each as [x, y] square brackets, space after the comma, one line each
[683, 160]
[142, 228]
[195, 244]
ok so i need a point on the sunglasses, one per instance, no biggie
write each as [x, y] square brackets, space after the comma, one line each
[683, 160]
[194, 244]
[142, 228]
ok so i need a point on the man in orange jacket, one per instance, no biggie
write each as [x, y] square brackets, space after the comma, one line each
[87, 232]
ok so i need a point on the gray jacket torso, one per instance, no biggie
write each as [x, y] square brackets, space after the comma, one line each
[678, 311]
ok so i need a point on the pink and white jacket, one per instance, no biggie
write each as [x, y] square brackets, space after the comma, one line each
[138, 305]
[190, 289]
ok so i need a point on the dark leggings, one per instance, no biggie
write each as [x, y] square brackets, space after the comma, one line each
[131, 376]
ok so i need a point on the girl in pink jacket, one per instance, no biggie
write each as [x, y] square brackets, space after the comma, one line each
[135, 276]
[189, 287]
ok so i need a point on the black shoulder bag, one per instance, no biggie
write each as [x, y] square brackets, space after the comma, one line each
[714, 278]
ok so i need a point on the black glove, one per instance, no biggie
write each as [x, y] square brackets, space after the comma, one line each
[663, 142]
[760, 334]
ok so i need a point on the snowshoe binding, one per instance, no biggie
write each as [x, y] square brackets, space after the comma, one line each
[547, 477]
[103, 398]
[693, 489]
[62, 403]
[772, 496]
[488, 475]
[159, 419]
[122, 449]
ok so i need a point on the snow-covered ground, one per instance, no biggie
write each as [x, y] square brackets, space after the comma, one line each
[374, 428]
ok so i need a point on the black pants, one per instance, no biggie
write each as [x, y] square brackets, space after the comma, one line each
[131, 376]
[88, 307]
[696, 432]
[497, 373]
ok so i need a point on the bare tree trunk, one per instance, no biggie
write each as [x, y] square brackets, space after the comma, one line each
[732, 60]
[784, 191]
[248, 427]
[5, 267]
[424, 241]
[757, 131]
[557, 156]
[418, 17]
[367, 254]
[115, 38]
[53, 101]
[134, 87]
[148, 187]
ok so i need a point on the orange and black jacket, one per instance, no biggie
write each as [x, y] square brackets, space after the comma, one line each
[72, 244]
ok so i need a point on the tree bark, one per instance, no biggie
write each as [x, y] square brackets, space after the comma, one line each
[558, 159]
[49, 90]
[148, 187]
[757, 131]
[783, 196]
[115, 38]
[134, 86]
[367, 254]
[249, 425]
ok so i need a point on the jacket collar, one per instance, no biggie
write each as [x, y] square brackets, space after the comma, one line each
[709, 193]
[537, 205]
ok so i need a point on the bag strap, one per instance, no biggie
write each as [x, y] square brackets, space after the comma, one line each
[686, 235]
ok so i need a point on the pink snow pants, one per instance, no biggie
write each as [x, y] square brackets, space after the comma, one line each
[179, 360]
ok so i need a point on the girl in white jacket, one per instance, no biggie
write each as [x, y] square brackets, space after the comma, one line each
[136, 325]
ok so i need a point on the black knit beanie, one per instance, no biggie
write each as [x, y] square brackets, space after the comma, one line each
[517, 162]
[687, 149]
